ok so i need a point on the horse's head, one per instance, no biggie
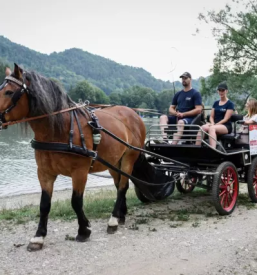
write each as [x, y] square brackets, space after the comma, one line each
[14, 104]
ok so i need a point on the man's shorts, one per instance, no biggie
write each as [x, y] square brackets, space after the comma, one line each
[174, 120]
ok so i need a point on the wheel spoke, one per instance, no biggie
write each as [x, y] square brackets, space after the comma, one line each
[231, 198]
[222, 199]
[222, 193]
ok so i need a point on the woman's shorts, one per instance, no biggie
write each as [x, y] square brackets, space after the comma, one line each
[228, 126]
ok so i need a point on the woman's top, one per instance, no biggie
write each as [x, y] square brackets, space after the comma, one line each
[220, 110]
[245, 127]
[244, 130]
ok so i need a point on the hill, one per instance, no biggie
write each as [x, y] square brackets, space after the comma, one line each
[74, 65]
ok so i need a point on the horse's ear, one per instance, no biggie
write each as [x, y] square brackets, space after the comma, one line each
[8, 71]
[17, 71]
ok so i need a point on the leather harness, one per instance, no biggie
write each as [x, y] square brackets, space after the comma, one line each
[70, 147]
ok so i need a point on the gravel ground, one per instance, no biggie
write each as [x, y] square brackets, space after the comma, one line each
[213, 245]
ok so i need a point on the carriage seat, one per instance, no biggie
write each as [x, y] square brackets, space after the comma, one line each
[233, 135]
[229, 140]
[198, 120]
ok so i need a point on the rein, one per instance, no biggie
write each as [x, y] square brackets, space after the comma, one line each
[5, 124]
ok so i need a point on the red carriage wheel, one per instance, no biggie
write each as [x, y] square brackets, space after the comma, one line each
[186, 185]
[252, 181]
[225, 188]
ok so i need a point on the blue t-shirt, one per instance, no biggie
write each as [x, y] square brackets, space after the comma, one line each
[186, 101]
[220, 111]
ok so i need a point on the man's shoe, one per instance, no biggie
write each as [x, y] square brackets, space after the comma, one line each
[161, 141]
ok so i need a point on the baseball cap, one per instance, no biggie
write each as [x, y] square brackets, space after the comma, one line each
[222, 86]
[186, 74]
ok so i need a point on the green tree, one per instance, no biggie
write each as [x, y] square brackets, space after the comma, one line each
[164, 101]
[3, 66]
[136, 95]
[85, 91]
[115, 98]
[236, 34]
[235, 62]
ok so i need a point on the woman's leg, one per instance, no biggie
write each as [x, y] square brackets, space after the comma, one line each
[200, 134]
[214, 131]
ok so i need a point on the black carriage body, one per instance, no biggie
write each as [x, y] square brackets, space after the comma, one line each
[201, 156]
[219, 170]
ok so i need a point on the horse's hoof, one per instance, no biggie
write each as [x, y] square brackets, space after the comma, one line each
[34, 247]
[111, 229]
[83, 235]
[122, 221]
[82, 238]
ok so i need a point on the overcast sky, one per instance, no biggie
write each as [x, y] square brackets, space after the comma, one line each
[157, 35]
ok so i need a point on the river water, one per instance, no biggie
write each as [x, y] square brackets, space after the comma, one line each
[18, 169]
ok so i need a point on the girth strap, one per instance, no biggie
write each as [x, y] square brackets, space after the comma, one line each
[62, 148]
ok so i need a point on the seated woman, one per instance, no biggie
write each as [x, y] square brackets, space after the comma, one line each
[250, 118]
[220, 123]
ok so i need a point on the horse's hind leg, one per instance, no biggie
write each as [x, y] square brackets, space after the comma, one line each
[115, 175]
[79, 182]
[120, 207]
[46, 182]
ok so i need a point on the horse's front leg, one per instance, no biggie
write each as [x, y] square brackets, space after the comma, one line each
[79, 179]
[47, 183]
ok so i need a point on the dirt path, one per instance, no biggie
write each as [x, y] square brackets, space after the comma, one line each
[154, 241]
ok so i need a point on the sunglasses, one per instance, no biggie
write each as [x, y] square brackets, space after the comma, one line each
[184, 78]
[221, 90]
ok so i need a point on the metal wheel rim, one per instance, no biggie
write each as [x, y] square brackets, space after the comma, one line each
[186, 183]
[255, 181]
[228, 189]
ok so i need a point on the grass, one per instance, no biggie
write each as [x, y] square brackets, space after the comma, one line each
[96, 206]
[243, 199]
[100, 205]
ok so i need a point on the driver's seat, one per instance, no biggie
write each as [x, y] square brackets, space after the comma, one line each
[198, 120]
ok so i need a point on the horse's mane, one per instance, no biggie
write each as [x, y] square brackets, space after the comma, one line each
[46, 97]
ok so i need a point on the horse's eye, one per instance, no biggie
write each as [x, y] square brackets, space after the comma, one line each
[9, 93]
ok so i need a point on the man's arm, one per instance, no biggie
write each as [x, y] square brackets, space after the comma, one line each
[172, 110]
[197, 110]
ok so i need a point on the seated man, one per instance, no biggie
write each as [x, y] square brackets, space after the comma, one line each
[186, 105]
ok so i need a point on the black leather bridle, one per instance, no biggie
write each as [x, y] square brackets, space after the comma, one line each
[15, 98]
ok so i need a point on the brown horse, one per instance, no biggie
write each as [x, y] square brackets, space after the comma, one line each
[33, 95]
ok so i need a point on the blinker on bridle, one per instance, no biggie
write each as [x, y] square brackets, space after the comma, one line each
[15, 98]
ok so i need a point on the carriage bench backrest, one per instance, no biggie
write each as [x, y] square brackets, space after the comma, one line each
[234, 118]
[198, 120]
[233, 135]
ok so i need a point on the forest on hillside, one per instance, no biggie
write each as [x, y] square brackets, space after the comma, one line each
[90, 77]
[75, 65]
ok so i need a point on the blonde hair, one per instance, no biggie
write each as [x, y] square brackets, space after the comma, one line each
[252, 107]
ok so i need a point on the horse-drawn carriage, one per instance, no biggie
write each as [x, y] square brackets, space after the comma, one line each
[217, 170]
[74, 140]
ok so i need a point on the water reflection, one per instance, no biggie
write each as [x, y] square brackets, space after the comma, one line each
[18, 169]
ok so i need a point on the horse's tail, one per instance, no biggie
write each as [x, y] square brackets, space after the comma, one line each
[144, 171]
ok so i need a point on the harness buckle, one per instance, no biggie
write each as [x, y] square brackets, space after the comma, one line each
[94, 155]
